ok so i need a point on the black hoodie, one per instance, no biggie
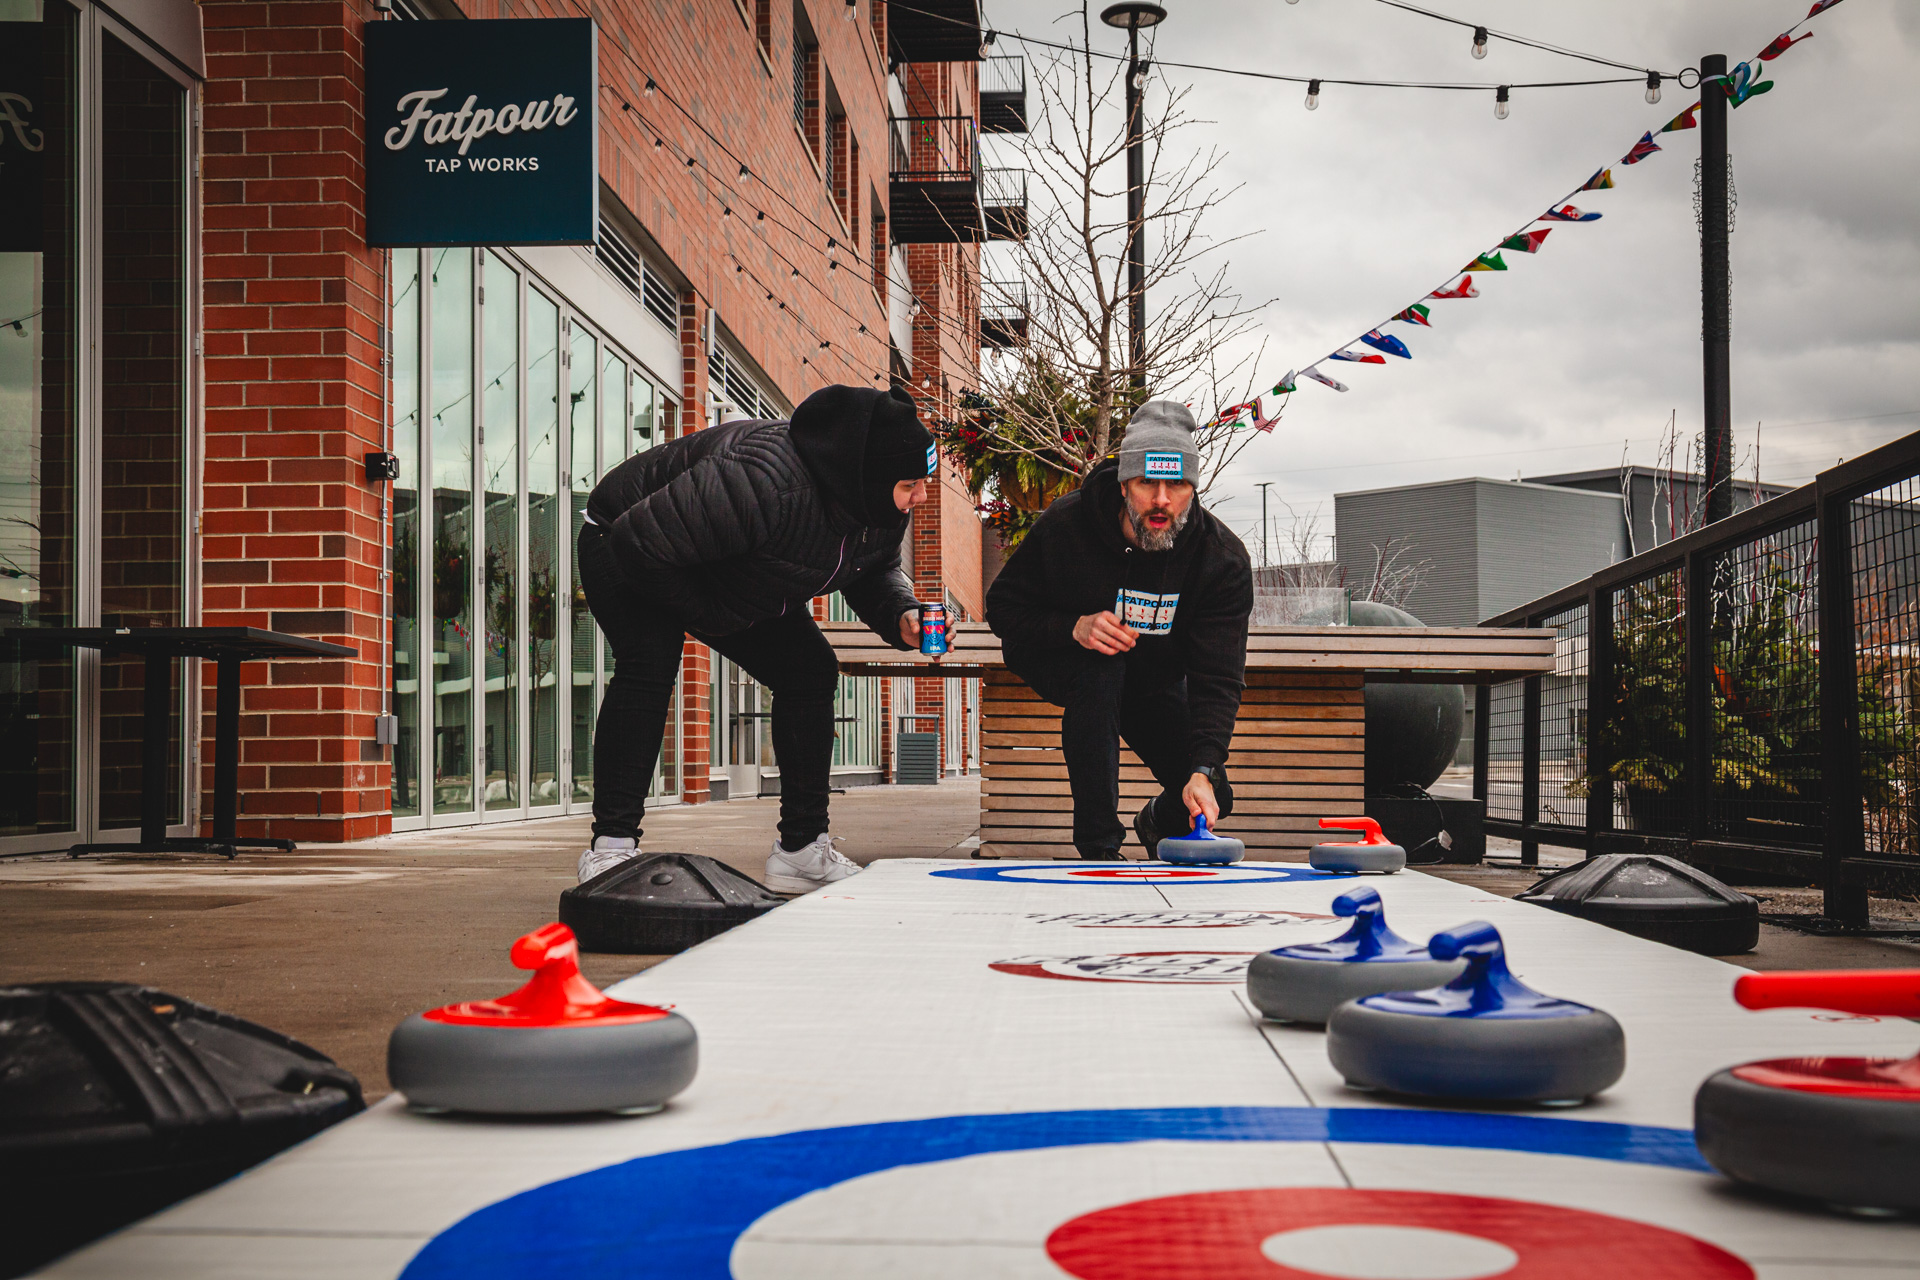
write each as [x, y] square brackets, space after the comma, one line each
[739, 523]
[1076, 561]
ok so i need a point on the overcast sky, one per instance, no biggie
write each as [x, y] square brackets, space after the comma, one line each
[1588, 346]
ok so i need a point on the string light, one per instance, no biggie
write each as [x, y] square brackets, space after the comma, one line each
[1140, 76]
[1313, 95]
[852, 8]
[651, 86]
[1500, 103]
[1653, 87]
[1479, 42]
[742, 176]
[986, 43]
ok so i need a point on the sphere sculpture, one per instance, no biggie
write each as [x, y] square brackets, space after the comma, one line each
[1305, 983]
[555, 1046]
[1484, 1036]
[1201, 849]
[1373, 853]
[1841, 1130]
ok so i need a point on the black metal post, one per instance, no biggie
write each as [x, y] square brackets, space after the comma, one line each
[1716, 285]
[1530, 771]
[1482, 739]
[226, 750]
[156, 738]
[1599, 716]
[1136, 215]
[1697, 782]
[1846, 900]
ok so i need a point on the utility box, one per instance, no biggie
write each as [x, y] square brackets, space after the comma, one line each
[916, 759]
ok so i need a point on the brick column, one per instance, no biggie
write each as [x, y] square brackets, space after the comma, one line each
[295, 397]
[698, 732]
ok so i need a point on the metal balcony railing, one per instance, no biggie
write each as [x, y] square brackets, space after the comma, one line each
[934, 168]
[1003, 201]
[1003, 312]
[1003, 94]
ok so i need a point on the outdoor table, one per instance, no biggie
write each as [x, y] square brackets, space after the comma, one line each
[226, 646]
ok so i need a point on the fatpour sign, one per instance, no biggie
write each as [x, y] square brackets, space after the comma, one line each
[23, 137]
[482, 132]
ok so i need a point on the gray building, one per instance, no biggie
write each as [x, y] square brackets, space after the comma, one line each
[1659, 506]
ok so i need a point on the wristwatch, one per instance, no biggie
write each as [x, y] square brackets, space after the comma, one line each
[1211, 772]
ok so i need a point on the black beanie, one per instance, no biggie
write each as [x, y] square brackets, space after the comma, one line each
[859, 442]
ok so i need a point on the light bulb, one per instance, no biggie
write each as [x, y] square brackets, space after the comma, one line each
[1479, 42]
[651, 86]
[742, 176]
[832, 247]
[1500, 103]
[1313, 95]
[852, 7]
[986, 43]
[1653, 87]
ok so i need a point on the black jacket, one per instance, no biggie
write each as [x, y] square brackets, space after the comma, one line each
[1075, 561]
[736, 524]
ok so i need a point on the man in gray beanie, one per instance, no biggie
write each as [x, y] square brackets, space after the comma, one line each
[1126, 605]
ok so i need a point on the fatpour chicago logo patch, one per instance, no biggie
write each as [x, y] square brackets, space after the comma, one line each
[1164, 967]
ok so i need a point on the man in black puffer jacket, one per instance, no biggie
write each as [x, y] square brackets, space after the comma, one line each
[1126, 605]
[727, 535]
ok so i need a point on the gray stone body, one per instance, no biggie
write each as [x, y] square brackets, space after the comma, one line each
[542, 1070]
[1559, 1059]
[1296, 989]
[1384, 859]
[1858, 1153]
[1185, 851]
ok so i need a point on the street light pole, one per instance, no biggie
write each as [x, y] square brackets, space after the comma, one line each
[1134, 15]
[1716, 288]
[1263, 486]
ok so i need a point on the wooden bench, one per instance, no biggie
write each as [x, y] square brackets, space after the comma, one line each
[1298, 746]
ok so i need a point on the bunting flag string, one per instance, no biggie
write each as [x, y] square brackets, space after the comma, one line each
[1739, 85]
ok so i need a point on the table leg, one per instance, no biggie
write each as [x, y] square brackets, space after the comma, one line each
[156, 732]
[226, 750]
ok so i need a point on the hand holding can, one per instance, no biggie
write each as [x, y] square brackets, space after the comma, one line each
[933, 629]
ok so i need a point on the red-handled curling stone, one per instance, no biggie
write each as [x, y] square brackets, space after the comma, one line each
[1373, 852]
[555, 1046]
[1842, 1130]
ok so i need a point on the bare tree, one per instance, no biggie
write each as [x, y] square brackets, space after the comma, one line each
[1060, 398]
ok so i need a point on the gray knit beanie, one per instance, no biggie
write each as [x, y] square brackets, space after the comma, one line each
[1159, 444]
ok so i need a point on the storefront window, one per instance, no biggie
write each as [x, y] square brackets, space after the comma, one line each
[406, 531]
[452, 439]
[37, 426]
[500, 469]
[544, 527]
[856, 707]
[613, 439]
[583, 398]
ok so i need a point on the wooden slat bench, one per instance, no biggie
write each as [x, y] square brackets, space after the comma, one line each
[1298, 746]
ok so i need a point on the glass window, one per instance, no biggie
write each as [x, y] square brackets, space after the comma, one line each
[452, 428]
[142, 214]
[545, 516]
[856, 707]
[405, 601]
[37, 359]
[500, 474]
[644, 433]
[583, 398]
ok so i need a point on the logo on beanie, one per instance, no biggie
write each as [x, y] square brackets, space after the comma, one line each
[933, 458]
[1164, 466]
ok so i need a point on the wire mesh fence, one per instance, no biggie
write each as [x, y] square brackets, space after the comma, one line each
[1646, 712]
[1562, 751]
[1885, 542]
[1506, 749]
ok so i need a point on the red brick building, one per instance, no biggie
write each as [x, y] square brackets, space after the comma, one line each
[790, 196]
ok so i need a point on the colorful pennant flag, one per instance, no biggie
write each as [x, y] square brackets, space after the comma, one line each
[1741, 84]
[1386, 342]
[1416, 314]
[1601, 181]
[1261, 422]
[1465, 289]
[1285, 385]
[1357, 357]
[1232, 413]
[1819, 7]
[1323, 379]
[1527, 241]
[1567, 213]
[1781, 43]
[1684, 120]
[1641, 149]
[1486, 262]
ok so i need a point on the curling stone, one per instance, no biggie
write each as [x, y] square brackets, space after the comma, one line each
[1484, 1036]
[1374, 852]
[557, 1045]
[1653, 896]
[1201, 849]
[1842, 1130]
[662, 903]
[1305, 983]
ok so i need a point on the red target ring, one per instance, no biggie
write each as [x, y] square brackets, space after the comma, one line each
[1217, 1235]
[1138, 873]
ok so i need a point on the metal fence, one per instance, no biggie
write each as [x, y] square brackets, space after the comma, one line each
[1743, 696]
[933, 149]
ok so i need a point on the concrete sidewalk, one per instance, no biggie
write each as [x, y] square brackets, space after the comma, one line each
[336, 943]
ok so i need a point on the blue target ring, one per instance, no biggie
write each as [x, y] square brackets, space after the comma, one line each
[1137, 873]
[680, 1213]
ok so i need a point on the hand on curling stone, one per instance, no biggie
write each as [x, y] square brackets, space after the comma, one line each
[1103, 633]
[1198, 796]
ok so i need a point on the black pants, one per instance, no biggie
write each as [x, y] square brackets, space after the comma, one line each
[1104, 699]
[786, 654]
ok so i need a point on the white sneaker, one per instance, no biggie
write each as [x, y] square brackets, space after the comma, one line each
[807, 869]
[606, 853]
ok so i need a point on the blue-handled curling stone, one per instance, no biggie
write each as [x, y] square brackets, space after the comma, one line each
[1201, 849]
[1305, 983]
[1485, 1035]
[1373, 852]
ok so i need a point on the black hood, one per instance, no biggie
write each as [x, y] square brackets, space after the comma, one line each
[833, 431]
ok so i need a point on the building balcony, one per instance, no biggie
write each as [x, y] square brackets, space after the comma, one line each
[1003, 203]
[934, 181]
[934, 31]
[1003, 95]
[1003, 313]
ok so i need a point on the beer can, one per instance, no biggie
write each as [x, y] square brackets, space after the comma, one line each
[933, 629]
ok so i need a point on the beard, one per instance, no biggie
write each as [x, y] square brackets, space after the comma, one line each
[1150, 539]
